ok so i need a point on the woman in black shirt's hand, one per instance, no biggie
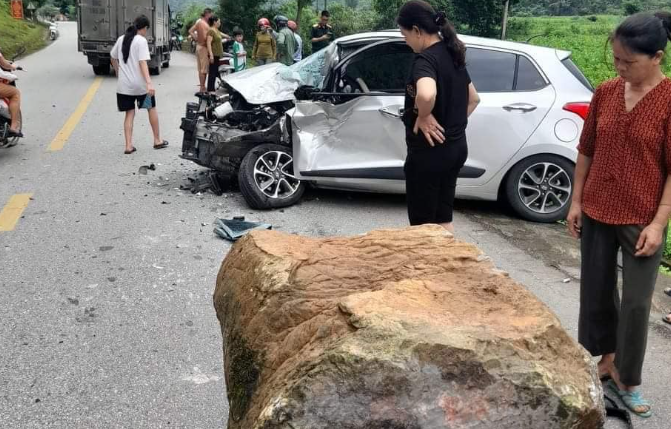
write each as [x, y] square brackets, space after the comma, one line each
[438, 101]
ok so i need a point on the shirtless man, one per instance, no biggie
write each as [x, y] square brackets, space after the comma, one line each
[199, 33]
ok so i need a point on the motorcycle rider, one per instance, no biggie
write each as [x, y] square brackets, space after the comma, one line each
[286, 42]
[12, 94]
[298, 55]
[265, 46]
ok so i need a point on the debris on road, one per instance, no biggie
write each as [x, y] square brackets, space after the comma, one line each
[144, 169]
[210, 180]
[236, 228]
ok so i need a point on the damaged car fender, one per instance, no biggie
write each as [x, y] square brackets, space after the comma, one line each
[360, 141]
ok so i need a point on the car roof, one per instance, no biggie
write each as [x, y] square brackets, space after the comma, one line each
[526, 48]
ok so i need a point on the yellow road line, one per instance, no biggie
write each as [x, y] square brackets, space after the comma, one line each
[65, 132]
[13, 210]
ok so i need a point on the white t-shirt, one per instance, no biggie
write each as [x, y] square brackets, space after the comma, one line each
[131, 81]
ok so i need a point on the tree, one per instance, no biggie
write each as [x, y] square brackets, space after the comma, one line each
[352, 3]
[48, 11]
[243, 15]
[300, 5]
[631, 8]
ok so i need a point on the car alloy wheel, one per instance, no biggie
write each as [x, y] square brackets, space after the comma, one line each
[545, 188]
[273, 175]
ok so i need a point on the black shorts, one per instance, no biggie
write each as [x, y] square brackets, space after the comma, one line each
[431, 182]
[127, 102]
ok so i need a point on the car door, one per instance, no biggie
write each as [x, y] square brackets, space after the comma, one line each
[353, 129]
[515, 98]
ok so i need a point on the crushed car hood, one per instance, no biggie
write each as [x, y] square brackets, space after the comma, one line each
[276, 83]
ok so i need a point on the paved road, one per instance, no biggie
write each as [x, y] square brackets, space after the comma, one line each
[107, 278]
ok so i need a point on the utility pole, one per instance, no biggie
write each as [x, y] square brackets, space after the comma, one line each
[504, 24]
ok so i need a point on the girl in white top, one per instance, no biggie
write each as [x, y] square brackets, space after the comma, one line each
[134, 87]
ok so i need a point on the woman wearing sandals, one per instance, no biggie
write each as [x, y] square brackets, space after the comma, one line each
[129, 59]
[622, 200]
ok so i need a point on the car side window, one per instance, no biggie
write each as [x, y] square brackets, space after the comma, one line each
[491, 71]
[528, 77]
[382, 68]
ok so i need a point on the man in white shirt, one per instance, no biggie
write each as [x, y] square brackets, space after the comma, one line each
[134, 87]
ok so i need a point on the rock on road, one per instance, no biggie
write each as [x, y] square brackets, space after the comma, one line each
[106, 282]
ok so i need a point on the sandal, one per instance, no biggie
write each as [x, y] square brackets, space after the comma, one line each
[128, 152]
[632, 400]
[13, 133]
[161, 145]
[667, 319]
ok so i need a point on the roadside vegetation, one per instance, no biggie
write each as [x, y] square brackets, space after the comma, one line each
[585, 36]
[15, 34]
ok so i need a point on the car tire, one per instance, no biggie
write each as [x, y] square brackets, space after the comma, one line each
[155, 71]
[101, 70]
[539, 188]
[259, 168]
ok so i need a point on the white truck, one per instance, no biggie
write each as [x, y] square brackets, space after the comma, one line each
[101, 22]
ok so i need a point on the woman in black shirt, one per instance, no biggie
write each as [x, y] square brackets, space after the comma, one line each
[439, 99]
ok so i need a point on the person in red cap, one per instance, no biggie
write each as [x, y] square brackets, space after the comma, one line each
[265, 46]
[298, 55]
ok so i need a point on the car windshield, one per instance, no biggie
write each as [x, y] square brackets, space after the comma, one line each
[311, 71]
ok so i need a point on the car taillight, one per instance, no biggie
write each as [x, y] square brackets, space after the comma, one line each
[580, 109]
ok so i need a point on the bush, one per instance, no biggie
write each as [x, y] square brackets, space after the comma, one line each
[631, 8]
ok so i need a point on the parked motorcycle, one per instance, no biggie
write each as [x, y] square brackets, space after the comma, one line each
[226, 63]
[8, 78]
[176, 41]
[53, 31]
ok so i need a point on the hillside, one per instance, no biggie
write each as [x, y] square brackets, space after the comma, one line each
[582, 7]
[15, 34]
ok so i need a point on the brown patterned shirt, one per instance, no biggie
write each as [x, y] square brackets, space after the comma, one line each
[631, 154]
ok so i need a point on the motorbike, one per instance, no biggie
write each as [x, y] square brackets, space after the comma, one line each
[226, 63]
[53, 31]
[8, 78]
[176, 41]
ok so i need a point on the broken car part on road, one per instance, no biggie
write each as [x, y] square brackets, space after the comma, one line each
[236, 228]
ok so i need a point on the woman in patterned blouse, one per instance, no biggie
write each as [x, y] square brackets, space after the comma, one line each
[622, 200]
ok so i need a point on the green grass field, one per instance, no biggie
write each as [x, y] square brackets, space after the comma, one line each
[585, 37]
[15, 34]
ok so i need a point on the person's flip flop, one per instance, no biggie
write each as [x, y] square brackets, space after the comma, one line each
[162, 145]
[128, 152]
[12, 133]
[631, 400]
[667, 319]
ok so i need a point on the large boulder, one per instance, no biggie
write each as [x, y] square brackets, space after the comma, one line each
[393, 329]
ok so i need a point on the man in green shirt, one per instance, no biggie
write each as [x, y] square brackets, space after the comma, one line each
[322, 33]
[286, 42]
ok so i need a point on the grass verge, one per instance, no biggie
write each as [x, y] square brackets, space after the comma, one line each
[16, 34]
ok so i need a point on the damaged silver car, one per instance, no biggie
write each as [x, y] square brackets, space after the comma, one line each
[334, 121]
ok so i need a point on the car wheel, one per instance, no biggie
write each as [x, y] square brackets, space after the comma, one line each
[155, 71]
[101, 70]
[266, 178]
[540, 187]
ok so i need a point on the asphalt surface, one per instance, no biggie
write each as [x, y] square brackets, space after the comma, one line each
[106, 282]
